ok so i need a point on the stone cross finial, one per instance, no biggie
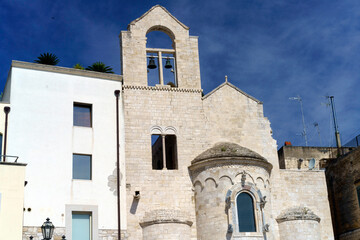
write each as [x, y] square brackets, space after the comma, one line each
[226, 78]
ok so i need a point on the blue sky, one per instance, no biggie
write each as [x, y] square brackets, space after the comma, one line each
[272, 50]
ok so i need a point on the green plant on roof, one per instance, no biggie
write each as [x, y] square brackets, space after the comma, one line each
[100, 67]
[78, 66]
[48, 59]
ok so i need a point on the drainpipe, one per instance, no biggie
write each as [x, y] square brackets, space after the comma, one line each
[6, 110]
[117, 94]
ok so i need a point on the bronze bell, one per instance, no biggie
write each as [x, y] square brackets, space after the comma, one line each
[151, 63]
[168, 64]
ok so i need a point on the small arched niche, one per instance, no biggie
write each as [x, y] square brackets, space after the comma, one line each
[161, 57]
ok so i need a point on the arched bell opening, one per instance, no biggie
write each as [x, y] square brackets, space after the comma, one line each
[161, 58]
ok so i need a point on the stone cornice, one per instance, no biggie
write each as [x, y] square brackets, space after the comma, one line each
[64, 70]
[161, 216]
[162, 88]
[229, 161]
[297, 213]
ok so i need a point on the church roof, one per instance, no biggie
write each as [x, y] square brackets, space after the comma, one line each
[226, 150]
[226, 83]
[165, 10]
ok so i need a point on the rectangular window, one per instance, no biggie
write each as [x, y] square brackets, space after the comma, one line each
[81, 166]
[164, 145]
[82, 115]
[81, 226]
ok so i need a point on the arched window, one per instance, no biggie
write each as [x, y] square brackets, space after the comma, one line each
[245, 212]
[160, 55]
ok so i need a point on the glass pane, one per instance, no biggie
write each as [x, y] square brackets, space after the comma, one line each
[245, 211]
[81, 167]
[82, 115]
[157, 152]
[171, 154]
[358, 193]
[81, 226]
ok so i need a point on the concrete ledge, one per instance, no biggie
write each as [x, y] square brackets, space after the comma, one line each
[13, 163]
[64, 70]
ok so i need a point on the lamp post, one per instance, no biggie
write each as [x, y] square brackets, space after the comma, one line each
[47, 229]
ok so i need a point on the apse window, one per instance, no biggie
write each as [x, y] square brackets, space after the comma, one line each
[82, 115]
[160, 59]
[245, 213]
[164, 152]
[82, 166]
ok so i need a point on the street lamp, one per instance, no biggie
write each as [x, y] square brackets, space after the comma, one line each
[47, 229]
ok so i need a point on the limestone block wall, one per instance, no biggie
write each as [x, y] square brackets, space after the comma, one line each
[343, 177]
[166, 224]
[289, 156]
[35, 232]
[233, 116]
[133, 48]
[160, 189]
[299, 230]
[308, 188]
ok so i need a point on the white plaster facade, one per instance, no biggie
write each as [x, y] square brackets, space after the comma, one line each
[197, 199]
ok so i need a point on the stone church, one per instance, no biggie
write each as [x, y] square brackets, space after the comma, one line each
[192, 166]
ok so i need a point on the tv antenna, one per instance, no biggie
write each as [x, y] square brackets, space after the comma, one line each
[316, 125]
[299, 99]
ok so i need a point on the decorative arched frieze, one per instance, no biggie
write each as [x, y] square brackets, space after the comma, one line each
[198, 187]
[156, 130]
[170, 130]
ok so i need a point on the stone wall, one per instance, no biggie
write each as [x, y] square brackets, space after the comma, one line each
[166, 224]
[289, 156]
[299, 230]
[233, 116]
[308, 188]
[343, 176]
[159, 108]
[133, 49]
[37, 235]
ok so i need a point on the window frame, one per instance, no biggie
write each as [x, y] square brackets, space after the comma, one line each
[231, 197]
[91, 175]
[93, 209]
[83, 105]
[165, 163]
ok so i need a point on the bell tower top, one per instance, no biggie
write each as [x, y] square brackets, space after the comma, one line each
[175, 67]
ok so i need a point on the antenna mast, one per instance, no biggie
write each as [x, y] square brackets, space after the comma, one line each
[337, 133]
[298, 98]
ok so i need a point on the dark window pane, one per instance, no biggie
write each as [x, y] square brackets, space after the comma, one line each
[81, 166]
[245, 211]
[358, 193]
[171, 152]
[82, 115]
[157, 152]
